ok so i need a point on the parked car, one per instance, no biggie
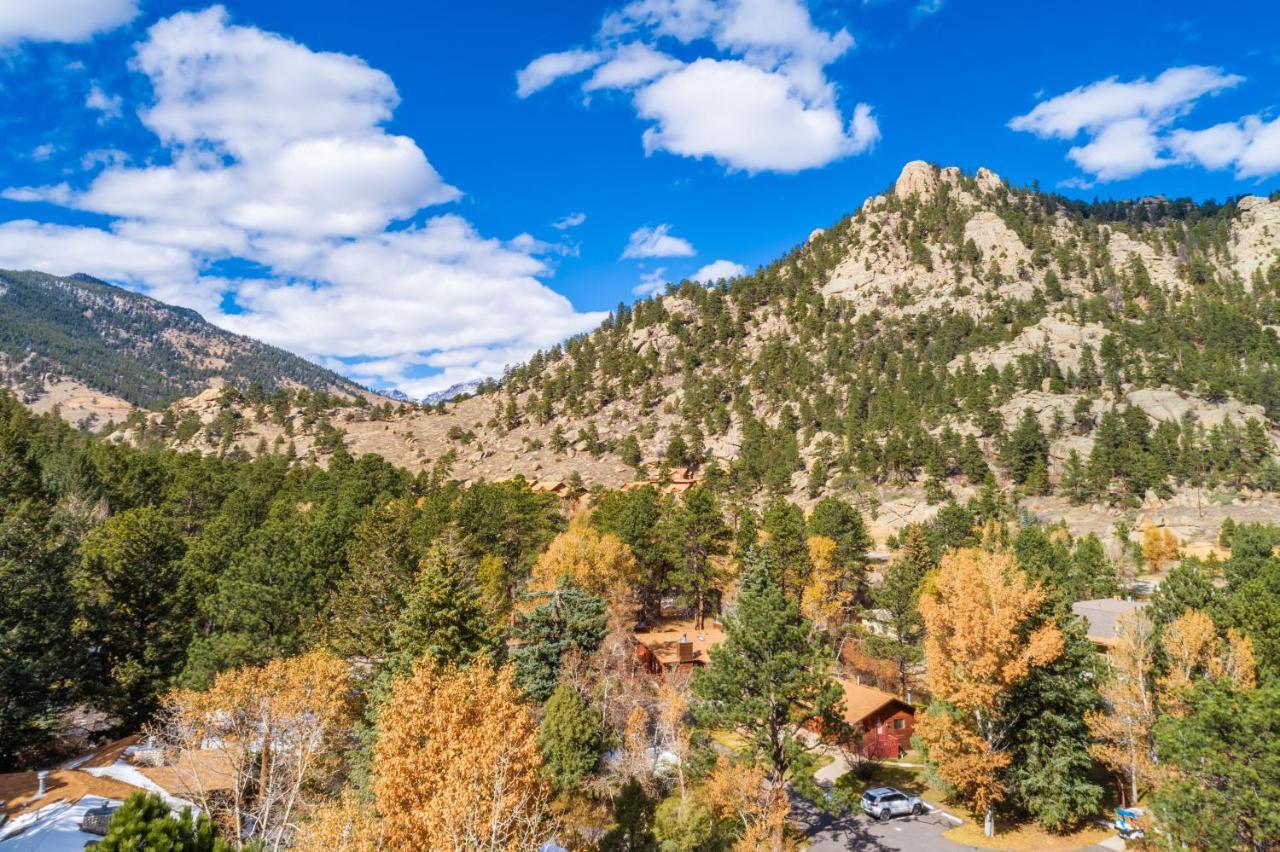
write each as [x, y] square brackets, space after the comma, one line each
[885, 802]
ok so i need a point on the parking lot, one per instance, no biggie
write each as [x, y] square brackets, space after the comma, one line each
[828, 833]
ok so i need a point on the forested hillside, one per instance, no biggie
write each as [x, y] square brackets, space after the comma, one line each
[430, 654]
[128, 346]
[952, 329]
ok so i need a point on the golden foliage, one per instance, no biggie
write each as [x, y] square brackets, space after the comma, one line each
[599, 563]
[345, 825]
[1196, 653]
[1159, 545]
[975, 616]
[739, 792]
[827, 598]
[252, 749]
[973, 648]
[1125, 741]
[457, 763]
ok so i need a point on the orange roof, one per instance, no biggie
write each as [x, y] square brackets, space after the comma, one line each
[861, 701]
[662, 638]
[208, 769]
[18, 789]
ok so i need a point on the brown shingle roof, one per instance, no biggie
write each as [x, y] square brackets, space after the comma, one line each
[860, 701]
[663, 637]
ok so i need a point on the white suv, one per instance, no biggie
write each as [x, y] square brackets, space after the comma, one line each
[885, 802]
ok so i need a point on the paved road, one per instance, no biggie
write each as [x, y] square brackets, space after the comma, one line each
[856, 831]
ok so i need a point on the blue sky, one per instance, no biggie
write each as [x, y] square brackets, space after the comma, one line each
[379, 187]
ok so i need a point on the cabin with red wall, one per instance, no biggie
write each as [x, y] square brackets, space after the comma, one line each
[882, 722]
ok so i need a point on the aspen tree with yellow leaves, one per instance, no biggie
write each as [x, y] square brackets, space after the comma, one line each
[828, 597]
[252, 750]
[1159, 545]
[1125, 730]
[742, 794]
[976, 650]
[599, 563]
[1196, 653]
[457, 763]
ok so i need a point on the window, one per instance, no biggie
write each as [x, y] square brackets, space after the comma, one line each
[899, 723]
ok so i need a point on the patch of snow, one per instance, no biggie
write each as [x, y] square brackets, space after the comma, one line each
[130, 774]
[53, 828]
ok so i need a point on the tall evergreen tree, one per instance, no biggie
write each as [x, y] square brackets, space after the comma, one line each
[700, 538]
[771, 677]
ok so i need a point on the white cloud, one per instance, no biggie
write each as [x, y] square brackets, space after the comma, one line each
[61, 20]
[651, 282]
[656, 241]
[111, 106]
[741, 116]
[716, 270]
[278, 157]
[1127, 124]
[864, 130]
[927, 8]
[573, 220]
[43, 152]
[103, 157]
[56, 194]
[1251, 146]
[632, 65]
[760, 102]
[65, 250]
[545, 70]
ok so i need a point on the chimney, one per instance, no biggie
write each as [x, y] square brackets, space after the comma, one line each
[41, 777]
[684, 649]
[908, 695]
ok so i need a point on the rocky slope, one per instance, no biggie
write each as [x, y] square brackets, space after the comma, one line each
[949, 305]
[96, 350]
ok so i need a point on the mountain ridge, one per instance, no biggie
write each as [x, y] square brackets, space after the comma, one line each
[77, 338]
[898, 356]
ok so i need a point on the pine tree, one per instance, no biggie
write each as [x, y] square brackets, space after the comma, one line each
[770, 677]
[570, 619]
[443, 618]
[1026, 450]
[784, 527]
[570, 736]
[1225, 770]
[701, 538]
[129, 584]
[144, 823]
[44, 660]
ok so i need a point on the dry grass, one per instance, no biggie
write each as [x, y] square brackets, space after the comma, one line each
[731, 740]
[1024, 836]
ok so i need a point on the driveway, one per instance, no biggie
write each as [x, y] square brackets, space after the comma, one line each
[829, 833]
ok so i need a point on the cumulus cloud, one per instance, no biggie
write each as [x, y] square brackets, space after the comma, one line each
[1251, 146]
[1129, 127]
[278, 156]
[61, 20]
[67, 249]
[760, 100]
[716, 270]
[656, 241]
[651, 282]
